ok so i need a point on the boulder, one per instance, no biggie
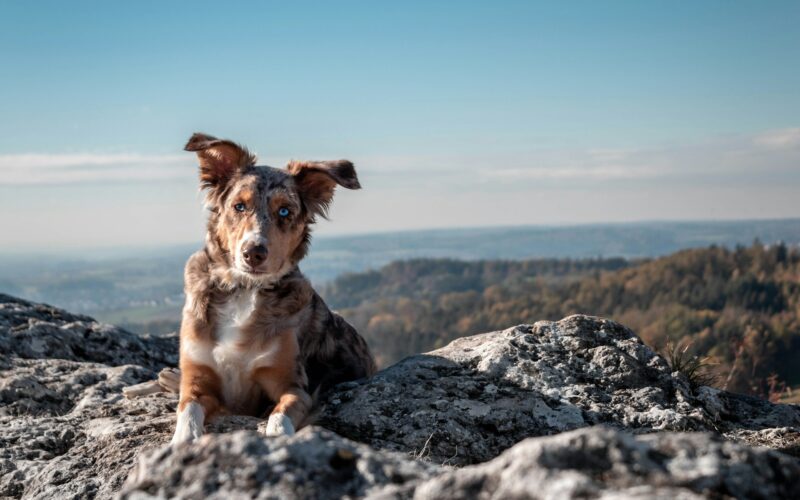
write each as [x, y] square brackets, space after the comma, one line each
[467, 402]
[65, 429]
[38, 331]
[314, 463]
[601, 462]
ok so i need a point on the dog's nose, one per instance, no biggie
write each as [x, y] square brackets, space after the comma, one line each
[255, 255]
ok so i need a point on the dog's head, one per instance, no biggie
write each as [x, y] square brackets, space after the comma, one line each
[261, 216]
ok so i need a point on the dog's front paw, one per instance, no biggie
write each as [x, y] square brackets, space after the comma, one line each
[190, 425]
[184, 437]
[279, 425]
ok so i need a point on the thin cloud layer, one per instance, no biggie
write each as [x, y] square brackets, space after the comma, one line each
[27, 169]
[787, 138]
[771, 156]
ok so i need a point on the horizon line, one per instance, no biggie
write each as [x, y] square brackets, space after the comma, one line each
[108, 251]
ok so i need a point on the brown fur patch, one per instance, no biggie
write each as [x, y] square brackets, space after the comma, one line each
[285, 381]
[218, 158]
[200, 384]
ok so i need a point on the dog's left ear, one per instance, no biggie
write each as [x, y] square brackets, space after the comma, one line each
[317, 180]
[219, 159]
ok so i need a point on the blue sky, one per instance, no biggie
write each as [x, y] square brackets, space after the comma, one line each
[456, 113]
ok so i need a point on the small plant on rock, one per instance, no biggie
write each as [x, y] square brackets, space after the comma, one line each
[698, 370]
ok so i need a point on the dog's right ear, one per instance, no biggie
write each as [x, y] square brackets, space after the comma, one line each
[219, 159]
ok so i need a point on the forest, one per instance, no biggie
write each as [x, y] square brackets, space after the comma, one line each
[737, 310]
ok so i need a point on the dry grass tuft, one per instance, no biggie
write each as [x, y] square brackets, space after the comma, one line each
[698, 370]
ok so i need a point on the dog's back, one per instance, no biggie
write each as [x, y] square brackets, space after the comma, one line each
[332, 350]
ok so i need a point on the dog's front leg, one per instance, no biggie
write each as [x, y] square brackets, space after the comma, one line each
[284, 383]
[288, 415]
[199, 400]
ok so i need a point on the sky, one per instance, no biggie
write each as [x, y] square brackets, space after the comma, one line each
[456, 114]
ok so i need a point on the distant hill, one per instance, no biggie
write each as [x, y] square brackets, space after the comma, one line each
[332, 256]
[741, 306]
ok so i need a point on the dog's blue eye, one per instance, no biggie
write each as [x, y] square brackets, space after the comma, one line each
[283, 212]
[239, 207]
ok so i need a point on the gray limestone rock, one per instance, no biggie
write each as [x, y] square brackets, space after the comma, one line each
[596, 462]
[38, 331]
[467, 402]
[600, 462]
[66, 431]
[315, 463]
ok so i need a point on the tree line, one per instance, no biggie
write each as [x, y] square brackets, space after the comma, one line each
[740, 307]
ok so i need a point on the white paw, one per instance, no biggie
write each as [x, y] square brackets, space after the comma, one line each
[279, 425]
[190, 424]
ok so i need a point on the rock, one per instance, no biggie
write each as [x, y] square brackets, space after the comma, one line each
[38, 331]
[83, 453]
[467, 402]
[604, 463]
[67, 431]
[314, 463]
[87, 449]
[57, 387]
[64, 429]
[592, 462]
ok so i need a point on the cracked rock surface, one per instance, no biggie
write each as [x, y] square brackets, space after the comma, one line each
[587, 463]
[468, 401]
[498, 415]
[601, 462]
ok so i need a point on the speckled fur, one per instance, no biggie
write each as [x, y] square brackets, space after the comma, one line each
[266, 322]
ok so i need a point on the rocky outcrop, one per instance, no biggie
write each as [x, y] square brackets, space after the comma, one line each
[604, 463]
[469, 401]
[66, 431]
[587, 463]
[38, 331]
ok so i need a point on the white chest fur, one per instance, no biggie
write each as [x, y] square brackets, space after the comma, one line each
[232, 356]
[231, 317]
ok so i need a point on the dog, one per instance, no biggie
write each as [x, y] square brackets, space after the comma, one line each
[254, 333]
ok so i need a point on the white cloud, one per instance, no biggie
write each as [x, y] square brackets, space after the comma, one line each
[772, 156]
[780, 138]
[604, 172]
[21, 169]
